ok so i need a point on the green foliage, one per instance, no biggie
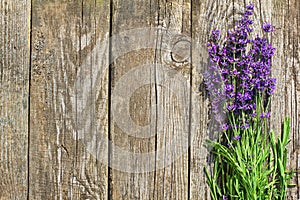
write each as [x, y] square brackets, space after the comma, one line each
[253, 168]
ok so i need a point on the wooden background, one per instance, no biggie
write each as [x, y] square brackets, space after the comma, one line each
[53, 63]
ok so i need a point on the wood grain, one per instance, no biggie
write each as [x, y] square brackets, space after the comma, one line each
[118, 109]
[91, 100]
[124, 184]
[14, 90]
[285, 103]
[159, 107]
[68, 100]
[174, 93]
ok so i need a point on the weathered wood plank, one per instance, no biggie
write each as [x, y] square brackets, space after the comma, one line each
[285, 16]
[14, 90]
[125, 184]
[206, 16]
[68, 99]
[55, 30]
[91, 100]
[154, 107]
[173, 76]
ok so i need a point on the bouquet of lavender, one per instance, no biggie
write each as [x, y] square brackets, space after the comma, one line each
[249, 163]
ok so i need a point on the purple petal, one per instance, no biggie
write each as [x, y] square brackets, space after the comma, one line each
[250, 6]
[237, 137]
[267, 27]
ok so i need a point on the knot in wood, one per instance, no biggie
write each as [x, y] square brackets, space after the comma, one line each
[181, 51]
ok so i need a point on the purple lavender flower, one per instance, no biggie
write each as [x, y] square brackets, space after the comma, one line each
[237, 137]
[234, 72]
[231, 107]
[254, 114]
[247, 13]
[224, 197]
[236, 75]
[266, 115]
[224, 127]
[267, 27]
[250, 7]
[262, 115]
[246, 126]
[216, 35]
[229, 88]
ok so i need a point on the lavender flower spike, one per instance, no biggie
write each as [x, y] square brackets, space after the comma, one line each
[236, 76]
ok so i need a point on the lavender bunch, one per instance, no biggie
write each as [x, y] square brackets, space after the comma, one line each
[249, 162]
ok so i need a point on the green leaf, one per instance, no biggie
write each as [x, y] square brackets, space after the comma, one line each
[286, 131]
[281, 168]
